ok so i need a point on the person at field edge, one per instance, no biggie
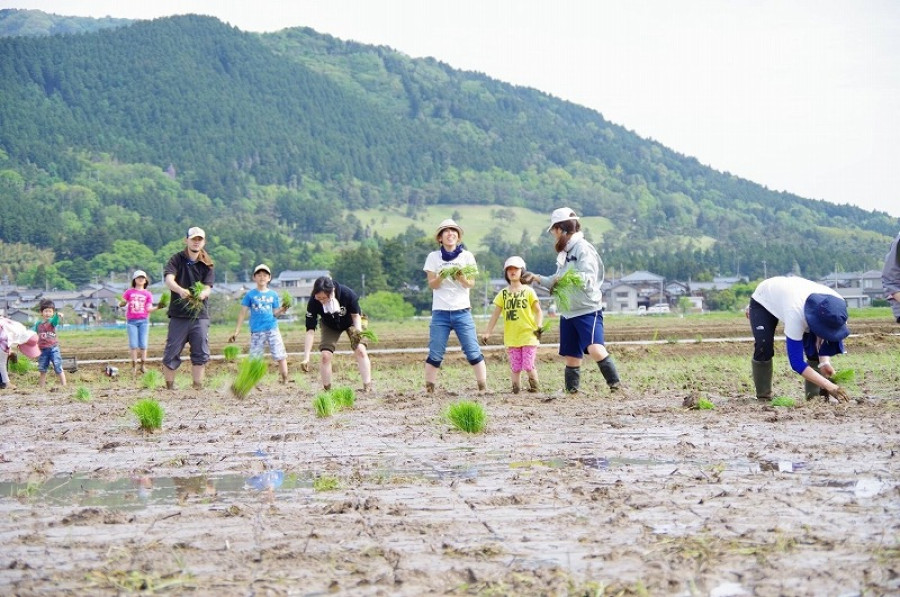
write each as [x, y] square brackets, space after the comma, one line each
[188, 272]
[48, 342]
[450, 306]
[139, 304]
[263, 305]
[523, 319]
[15, 335]
[890, 277]
[338, 308]
[815, 325]
[581, 322]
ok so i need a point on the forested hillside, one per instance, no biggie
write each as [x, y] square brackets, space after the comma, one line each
[112, 142]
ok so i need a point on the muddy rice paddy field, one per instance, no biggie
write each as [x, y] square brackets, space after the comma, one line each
[593, 494]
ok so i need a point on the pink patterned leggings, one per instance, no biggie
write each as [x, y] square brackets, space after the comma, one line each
[521, 358]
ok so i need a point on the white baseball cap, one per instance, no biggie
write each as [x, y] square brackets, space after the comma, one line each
[514, 261]
[561, 215]
[262, 267]
[138, 274]
[195, 231]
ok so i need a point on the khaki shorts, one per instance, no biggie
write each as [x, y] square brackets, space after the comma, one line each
[330, 337]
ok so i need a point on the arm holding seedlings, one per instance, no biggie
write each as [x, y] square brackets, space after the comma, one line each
[490, 327]
[240, 322]
[798, 364]
[307, 347]
[538, 318]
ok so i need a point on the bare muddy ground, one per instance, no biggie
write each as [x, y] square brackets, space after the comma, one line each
[593, 494]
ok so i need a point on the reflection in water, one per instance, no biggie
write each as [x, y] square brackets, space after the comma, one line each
[265, 481]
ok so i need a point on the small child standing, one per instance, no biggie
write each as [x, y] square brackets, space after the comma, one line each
[48, 342]
[263, 304]
[139, 303]
[523, 319]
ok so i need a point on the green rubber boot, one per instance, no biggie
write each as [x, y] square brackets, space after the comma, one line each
[810, 389]
[762, 379]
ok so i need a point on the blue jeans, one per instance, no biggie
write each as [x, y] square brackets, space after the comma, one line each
[463, 324]
[50, 356]
[138, 333]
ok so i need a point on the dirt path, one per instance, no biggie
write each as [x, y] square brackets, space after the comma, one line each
[590, 494]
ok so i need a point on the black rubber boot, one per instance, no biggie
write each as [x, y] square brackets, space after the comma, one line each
[762, 379]
[608, 369]
[573, 379]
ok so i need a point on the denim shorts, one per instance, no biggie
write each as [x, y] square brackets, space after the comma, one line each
[138, 333]
[48, 356]
[461, 322]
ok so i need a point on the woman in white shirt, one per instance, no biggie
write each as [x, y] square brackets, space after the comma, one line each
[815, 325]
[450, 306]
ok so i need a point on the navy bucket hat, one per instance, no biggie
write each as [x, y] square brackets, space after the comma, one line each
[826, 315]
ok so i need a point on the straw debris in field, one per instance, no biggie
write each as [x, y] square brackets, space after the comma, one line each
[467, 416]
[468, 271]
[562, 290]
[250, 371]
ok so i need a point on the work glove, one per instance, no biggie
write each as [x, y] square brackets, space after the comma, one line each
[354, 334]
[232, 337]
[526, 277]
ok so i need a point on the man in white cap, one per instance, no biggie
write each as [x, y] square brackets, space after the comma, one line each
[189, 275]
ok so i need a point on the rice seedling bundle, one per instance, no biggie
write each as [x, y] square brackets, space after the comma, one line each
[705, 404]
[843, 377]
[152, 380]
[783, 401]
[369, 335]
[164, 300]
[231, 352]
[250, 371]
[82, 394]
[467, 416]
[149, 414]
[287, 301]
[20, 365]
[324, 405]
[193, 303]
[326, 483]
[562, 290]
[468, 271]
[343, 397]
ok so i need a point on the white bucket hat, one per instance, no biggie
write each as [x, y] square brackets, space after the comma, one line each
[561, 215]
[448, 223]
[514, 261]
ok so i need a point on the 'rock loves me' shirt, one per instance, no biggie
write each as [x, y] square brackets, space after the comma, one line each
[517, 309]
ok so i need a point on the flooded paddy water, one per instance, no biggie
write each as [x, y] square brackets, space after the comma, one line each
[594, 494]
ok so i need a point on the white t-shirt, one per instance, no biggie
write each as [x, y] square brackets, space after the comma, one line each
[450, 295]
[784, 297]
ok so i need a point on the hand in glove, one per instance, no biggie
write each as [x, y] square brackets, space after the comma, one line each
[354, 334]
[232, 337]
[839, 394]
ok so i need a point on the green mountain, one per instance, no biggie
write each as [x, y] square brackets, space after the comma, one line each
[285, 146]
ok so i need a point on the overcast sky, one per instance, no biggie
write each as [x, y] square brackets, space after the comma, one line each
[798, 95]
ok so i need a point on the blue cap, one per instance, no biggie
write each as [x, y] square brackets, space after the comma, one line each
[826, 315]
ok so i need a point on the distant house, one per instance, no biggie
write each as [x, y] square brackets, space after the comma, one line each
[299, 283]
[857, 288]
[621, 297]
